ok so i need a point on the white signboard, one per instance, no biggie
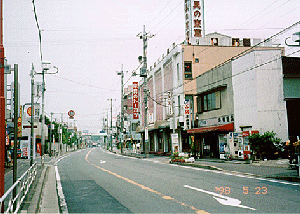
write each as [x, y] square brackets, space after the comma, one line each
[175, 142]
[187, 115]
[194, 19]
[146, 134]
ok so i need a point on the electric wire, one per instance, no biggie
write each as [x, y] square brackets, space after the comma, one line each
[160, 12]
[281, 16]
[92, 86]
[167, 15]
[259, 12]
[241, 54]
[38, 27]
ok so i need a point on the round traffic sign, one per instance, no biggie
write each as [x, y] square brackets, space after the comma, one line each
[71, 113]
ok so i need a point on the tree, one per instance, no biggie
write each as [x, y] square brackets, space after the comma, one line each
[266, 145]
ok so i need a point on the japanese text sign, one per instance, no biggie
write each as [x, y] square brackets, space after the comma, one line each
[135, 100]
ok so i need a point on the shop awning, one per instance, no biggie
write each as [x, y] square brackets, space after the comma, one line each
[224, 128]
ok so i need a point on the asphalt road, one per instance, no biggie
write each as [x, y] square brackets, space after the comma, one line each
[96, 181]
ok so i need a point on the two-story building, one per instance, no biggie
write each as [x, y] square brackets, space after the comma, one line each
[172, 87]
[243, 94]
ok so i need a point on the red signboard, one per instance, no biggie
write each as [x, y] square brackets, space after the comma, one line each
[135, 100]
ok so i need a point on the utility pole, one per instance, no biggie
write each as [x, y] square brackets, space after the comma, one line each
[31, 117]
[2, 108]
[111, 147]
[61, 138]
[143, 73]
[50, 141]
[16, 116]
[122, 108]
[43, 119]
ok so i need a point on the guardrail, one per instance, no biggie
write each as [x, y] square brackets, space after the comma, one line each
[22, 186]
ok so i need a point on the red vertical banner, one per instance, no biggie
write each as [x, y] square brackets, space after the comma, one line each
[135, 100]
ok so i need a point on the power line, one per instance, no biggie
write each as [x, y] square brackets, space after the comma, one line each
[259, 12]
[38, 27]
[168, 15]
[282, 16]
[159, 13]
[92, 86]
[239, 55]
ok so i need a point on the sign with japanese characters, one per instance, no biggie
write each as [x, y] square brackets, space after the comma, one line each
[135, 100]
[187, 120]
[194, 18]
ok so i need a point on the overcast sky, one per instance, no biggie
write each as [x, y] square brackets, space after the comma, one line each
[89, 41]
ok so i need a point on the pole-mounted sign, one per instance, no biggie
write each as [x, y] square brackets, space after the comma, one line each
[71, 114]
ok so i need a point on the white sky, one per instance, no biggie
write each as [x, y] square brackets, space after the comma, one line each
[89, 40]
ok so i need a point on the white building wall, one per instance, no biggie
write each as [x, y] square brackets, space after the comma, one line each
[258, 93]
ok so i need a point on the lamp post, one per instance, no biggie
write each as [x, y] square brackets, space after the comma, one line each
[45, 68]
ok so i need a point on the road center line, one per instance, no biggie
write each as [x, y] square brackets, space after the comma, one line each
[165, 197]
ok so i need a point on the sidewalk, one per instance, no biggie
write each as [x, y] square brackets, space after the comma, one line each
[43, 198]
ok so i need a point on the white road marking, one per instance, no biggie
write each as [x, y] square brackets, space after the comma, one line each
[62, 199]
[225, 200]
[231, 173]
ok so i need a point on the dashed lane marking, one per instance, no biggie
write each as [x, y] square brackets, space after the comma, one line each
[165, 197]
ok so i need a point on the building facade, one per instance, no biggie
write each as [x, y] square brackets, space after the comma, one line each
[245, 94]
[173, 90]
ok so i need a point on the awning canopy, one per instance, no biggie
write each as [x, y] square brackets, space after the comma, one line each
[225, 128]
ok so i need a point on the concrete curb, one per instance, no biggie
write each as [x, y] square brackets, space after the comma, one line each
[35, 202]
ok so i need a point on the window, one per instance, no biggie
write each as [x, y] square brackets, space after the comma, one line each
[214, 41]
[134, 126]
[235, 42]
[179, 106]
[188, 70]
[246, 42]
[199, 104]
[208, 102]
[178, 73]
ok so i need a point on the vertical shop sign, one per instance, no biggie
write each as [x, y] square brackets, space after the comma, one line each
[20, 122]
[135, 100]
[194, 20]
[187, 120]
[197, 19]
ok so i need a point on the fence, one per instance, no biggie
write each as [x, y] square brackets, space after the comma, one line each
[22, 186]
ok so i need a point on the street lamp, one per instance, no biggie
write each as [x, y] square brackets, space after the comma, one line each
[46, 66]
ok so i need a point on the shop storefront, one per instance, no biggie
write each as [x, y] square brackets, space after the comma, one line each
[206, 140]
